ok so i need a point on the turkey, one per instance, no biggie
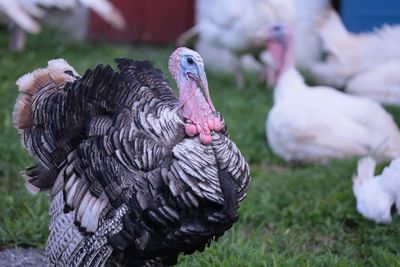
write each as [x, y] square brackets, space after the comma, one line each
[354, 60]
[23, 15]
[380, 83]
[229, 29]
[375, 195]
[135, 175]
[308, 46]
[315, 124]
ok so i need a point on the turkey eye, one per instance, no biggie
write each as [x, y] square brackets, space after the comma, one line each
[190, 61]
[277, 28]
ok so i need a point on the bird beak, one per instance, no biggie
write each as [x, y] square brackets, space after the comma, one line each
[201, 79]
[274, 46]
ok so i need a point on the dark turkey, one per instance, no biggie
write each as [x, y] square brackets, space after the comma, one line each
[135, 175]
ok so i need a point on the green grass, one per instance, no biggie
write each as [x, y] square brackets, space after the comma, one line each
[293, 216]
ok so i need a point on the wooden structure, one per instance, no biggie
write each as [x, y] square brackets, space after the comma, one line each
[150, 21]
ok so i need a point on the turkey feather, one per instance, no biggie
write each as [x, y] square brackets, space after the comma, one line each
[136, 189]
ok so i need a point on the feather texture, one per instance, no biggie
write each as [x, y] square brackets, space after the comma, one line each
[121, 173]
[315, 124]
[229, 30]
[375, 195]
[380, 83]
[350, 54]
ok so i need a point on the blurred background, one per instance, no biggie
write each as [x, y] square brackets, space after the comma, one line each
[295, 214]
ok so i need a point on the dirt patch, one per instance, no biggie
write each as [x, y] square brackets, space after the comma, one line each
[22, 257]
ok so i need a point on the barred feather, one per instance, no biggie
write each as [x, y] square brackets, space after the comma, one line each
[121, 174]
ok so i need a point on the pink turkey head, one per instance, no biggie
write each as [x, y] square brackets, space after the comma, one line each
[187, 68]
[279, 38]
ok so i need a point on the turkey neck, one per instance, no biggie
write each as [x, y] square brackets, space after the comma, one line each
[287, 79]
[282, 52]
[194, 100]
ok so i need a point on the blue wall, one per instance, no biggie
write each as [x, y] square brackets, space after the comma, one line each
[365, 15]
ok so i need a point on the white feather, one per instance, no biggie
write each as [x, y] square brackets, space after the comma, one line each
[106, 11]
[86, 213]
[315, 124]
[308, 44]
[375, 195]
[228, 29]
[22, 15]
[380, 83]
[94, 216]
[70, 182]
[71, 192]
[84, 203]
[25, 12]
[350, 54]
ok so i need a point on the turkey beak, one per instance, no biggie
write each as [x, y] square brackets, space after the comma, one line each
[199, 75]
[275, 37]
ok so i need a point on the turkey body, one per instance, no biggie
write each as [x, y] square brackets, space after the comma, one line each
[127, 185]
[314, 124]
[380, 83]
[350, 54]
[376, 194]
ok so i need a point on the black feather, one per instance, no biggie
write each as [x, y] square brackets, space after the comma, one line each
[165, 194]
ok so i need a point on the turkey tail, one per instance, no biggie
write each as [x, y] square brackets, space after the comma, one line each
[64, 238]
[107, 11]
[57, 73]
[68, 246]
[330, 21]
[31, 117]
[332, 31]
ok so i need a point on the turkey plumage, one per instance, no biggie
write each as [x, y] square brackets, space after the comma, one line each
[135, 175]
[313, 124]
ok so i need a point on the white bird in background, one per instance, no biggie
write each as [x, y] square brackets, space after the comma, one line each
[365, 64]
[308, 44]
[375, 195]
[23, 14]
[381, 83]
[315, 124]
[232, 25]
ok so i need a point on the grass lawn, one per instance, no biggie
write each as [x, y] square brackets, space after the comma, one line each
[293, 216]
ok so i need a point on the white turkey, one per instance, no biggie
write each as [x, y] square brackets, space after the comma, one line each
[315, 124]
[350, 55]
[134, 174]
[23, 14]
[375, 195]
[229, 28]
[308, 45]
[380, 83]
